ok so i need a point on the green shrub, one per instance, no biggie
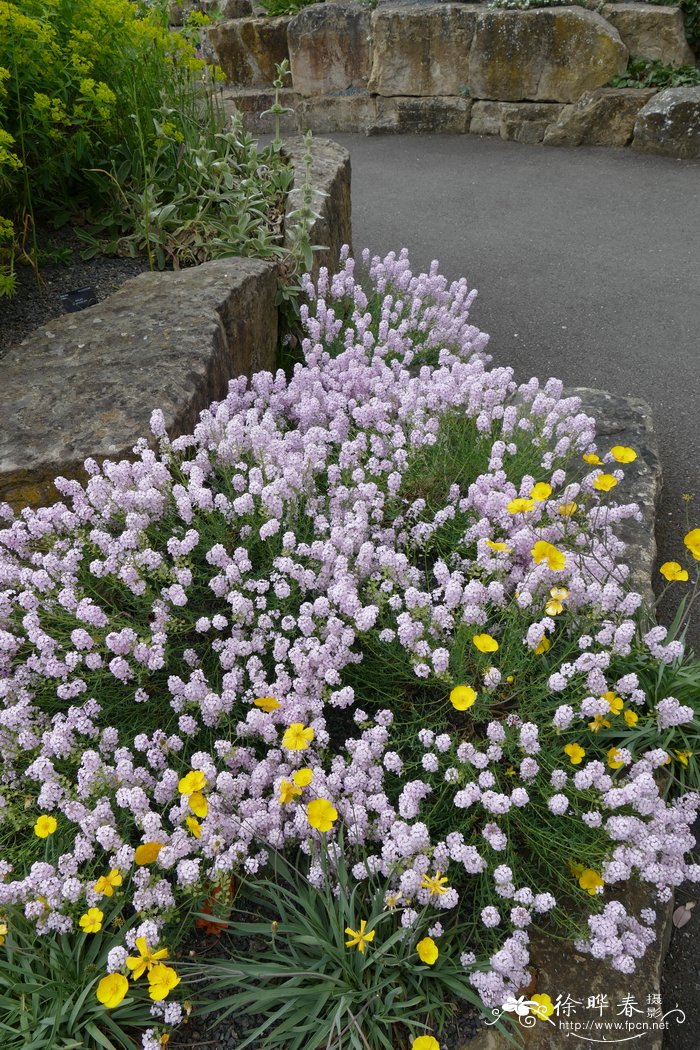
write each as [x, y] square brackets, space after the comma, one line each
[654, 74]
[286, 7]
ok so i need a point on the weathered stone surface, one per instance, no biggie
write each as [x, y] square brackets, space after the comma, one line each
[178, 10]
[670, 123]
[86, 384]
[552, 54]
[446, 116]
[421, 49]
[253, 105]
[486, 118]
[330, 179]
[651, 32]
[329, 48]
[248, 49]
[355, 112]
[600, 118]
[527, 121]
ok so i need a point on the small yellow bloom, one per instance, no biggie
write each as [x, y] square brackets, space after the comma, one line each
[605, 482]
[112, 989]
[303, 777]
[543, 646]
[485, 643]
[567, 510]
[592, 459]
[435, 883]
[683, 757]
[555, 605]
[288, 792]
[147, 853]
[615, 702]
[623, 454]
[462, 697]
[3, 932]
[194, 781]
[161, 981]
[425, 1042]
[497, 545]
[544, 1008]
[198, 804]
[631, 717]
[194, 827]
[298, 737]
[590, 881]
[543, 551]
[575, 753]
[614, 760]
[106, 884]
[321, 814]
[673, 572]
[45, 826]
[520, 505]
[91, 921]
[692, 542]
[267, 703]
[541, 492]
[598, 723]
[358, 938]
[145, 960]
[427, 950]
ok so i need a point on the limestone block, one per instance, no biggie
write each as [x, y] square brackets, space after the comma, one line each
[86, 384]
[527, 121]
[553, 54]
[351, 113]
[421, 49]
[600, 118]
[248, 49]
[670, 123]
[253, 104]
[486, 118]
[651, 32]
[329, 48]
[418, 116]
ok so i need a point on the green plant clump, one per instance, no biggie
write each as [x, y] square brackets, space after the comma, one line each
[286, 7]
[654, 74]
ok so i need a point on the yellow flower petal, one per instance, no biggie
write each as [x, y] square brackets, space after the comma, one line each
[45, 826]
[112, 989]
[544, 551]
[567, 510]
[321, 814]
[673, 571]
[147, 853]
[575, 752]
[605, 482]
[623, 454]
[303, 777]
[541, 492]
[692, 542]
[485, 643]
[462, 697]
[194, 781]
[427, 950]
[544, 1007]
[592, 459]
[267, 703]
[298, 737]
[521, 505]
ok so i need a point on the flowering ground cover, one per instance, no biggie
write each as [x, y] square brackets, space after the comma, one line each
[354, 673]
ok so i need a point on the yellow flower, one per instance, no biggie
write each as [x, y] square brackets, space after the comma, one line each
[358, 938]
[145, 960]
[672, 571]
[623, 454]
[462, 697]
[541, 492]
[485, 643]
[194, 827]
[3, 932]
[435, 883]
[631, 717]
[614, 760]
[297, 737]
[592, 459]
[590, 881]
[45, 826]
[91, 921]
[425, 1042]
[692, 542]
[544, 1008]
[615, 703]
[683, 757]
[303, 777]
[543, 551]
[321, 814]
[598, 723]
[520, 505]
[198, 804]
[556, 603]
[543, 646]
[161, 980]
[194, 781]
[267, 703]
[496, 545]
[106, 884]
[112, 989]
[147, 853]
[288, 791]
[427, 950]
[605, 482]
[575, 753]
[567, 510]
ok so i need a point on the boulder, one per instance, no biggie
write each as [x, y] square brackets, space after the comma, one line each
[329, 48]
[651, 32]
[605, 117]
[418, 116]
[249, 49]
[421, 49]
[551, 54]
[670, 123]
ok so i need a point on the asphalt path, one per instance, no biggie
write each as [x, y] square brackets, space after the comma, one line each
[587, 263]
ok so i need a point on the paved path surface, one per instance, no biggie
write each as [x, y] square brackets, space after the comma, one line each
[588, 268]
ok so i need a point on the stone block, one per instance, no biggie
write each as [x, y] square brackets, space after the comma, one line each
[253, 104]
[651, 32]
[249, 49]
[86, 384]
[354, 112]
[551, 54]
[420, 116]
[421, 49]
[670, 123]
[527, 121]
[485, 118]
[600, 118]
[330, 179]
[329, 48]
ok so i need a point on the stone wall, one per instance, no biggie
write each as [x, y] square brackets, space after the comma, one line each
[532, 76]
